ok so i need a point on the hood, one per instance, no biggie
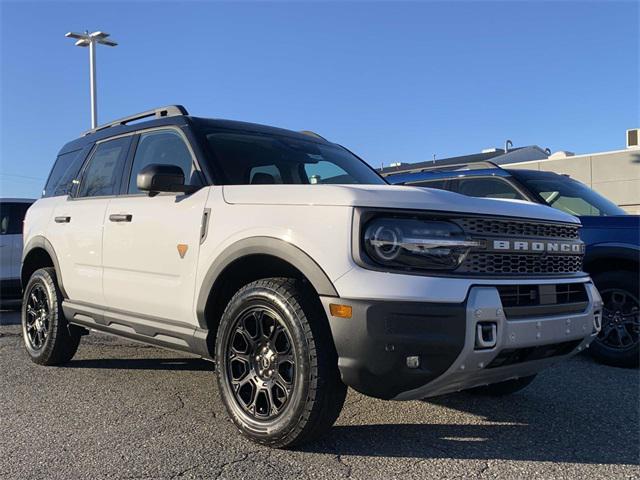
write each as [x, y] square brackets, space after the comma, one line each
[614, 221]
[387, 196]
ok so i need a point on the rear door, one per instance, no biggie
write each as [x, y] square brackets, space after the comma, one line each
[77, 230]
[151, 243]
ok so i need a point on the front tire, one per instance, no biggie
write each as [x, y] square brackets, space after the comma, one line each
[503, 388]
[48, 337]
[618, 342]
[276, 364]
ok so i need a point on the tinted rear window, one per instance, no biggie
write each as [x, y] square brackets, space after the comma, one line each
[12, 217]
[64, 171]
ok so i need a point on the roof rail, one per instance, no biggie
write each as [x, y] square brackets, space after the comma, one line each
[313, 134]
[168, 111]
[462, 166]
[446, 168]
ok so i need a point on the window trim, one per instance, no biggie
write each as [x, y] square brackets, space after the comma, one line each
[128, 167]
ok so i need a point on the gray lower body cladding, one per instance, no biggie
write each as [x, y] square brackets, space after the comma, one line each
[374, 344]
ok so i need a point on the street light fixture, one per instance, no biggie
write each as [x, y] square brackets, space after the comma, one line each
[90, 40]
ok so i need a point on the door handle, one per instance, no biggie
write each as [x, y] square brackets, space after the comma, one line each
[63, 219]
[120, 217]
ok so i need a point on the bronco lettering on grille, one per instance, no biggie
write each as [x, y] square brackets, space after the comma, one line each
[538, 246]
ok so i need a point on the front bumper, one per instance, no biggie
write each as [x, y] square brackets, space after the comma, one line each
[374, 344]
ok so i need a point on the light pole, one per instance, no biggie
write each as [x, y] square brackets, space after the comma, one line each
[90, 40]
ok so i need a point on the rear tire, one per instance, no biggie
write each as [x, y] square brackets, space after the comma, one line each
[503, 388]
[618, 342]
[48, 337]
[277, 368]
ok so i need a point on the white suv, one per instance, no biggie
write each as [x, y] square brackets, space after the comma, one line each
[289, 262]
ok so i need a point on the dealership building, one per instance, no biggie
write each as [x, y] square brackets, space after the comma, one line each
[614, 174]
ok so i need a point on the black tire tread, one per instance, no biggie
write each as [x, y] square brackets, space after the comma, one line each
[326, 393]
[63, 339]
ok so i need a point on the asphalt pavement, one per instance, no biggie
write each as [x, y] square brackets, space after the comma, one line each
[124, 410]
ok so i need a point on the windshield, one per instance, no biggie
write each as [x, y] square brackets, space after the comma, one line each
[568, 195]
[248, 158]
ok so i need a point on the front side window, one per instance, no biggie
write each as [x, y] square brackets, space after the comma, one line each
[12, 217]
[102, 175]
[162, 147]
[245, 158]
[486, 187]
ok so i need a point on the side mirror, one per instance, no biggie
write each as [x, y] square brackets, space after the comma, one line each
[156, 178]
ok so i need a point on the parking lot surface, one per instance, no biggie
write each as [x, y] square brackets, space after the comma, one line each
[125, 410]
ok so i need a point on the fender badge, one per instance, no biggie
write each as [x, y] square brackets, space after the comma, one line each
[182, 249]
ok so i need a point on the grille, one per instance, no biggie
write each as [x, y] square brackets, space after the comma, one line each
[485, 226]
[510, 263]
[542, 300]
[528, 295]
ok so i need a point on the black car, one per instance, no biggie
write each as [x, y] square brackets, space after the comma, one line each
[612, 238]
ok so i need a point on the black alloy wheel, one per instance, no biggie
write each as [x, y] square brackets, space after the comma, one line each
[38, 316]
[618, 343]
[261, 362]
[48, 337]
[620, 319]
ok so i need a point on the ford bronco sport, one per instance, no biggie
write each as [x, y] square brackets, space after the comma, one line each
[294, 266]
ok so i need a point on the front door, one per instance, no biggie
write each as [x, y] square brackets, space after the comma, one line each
[151, 243]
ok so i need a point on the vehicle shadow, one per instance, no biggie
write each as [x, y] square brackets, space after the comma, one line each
[559, 422]
[189, 364]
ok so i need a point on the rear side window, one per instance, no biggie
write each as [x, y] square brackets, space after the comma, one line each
[64, 172]
[439, 184]
[12, 217]
[103, 173]
[487, 187]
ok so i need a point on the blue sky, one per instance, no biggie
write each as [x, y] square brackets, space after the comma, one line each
[392, 81]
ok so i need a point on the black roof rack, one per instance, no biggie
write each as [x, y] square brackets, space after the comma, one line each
[462, 166]
[452, 167]
[168, 111]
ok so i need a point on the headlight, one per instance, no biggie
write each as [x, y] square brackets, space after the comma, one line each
[416, 244]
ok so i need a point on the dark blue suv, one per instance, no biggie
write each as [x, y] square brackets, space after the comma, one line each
[612, 238]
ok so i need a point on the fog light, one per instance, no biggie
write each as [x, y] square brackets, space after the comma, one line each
[413, 362]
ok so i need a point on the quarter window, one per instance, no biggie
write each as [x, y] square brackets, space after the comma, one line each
[439, 184]
[102, 175]
[163, 147]
[64, 171]
[487, 187]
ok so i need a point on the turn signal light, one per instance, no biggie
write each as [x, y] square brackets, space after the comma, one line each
[341, 311]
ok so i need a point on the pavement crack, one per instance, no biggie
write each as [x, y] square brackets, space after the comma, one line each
[180, 406]
[182, 473]
[345, 464]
